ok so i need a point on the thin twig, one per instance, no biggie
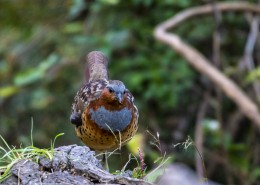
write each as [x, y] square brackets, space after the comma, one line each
[199, 136]
[216, 35]
[216, 57]
[248, 52]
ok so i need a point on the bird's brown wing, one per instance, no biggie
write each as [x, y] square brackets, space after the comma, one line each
[130, 98]
[88, 92]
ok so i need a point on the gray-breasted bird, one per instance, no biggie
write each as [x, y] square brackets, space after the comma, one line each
[103, 110]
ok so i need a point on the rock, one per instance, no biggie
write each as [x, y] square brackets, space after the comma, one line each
[27, 171]
[180, 174]
[70, 165]
[65, 177]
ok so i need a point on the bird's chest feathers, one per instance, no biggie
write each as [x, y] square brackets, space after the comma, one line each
[111, 120]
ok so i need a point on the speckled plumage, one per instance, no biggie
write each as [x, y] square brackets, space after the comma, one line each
[103, 110]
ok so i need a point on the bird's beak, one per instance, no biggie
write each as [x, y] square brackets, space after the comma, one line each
[119, 97]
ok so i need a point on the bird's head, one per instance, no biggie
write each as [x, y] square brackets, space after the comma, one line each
[114, 91]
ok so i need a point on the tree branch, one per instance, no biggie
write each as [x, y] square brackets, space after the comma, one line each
[199, 62]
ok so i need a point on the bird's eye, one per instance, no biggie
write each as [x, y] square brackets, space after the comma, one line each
[124, 91]
[110, 90]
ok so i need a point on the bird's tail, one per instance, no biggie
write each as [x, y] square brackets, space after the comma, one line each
[97, 66]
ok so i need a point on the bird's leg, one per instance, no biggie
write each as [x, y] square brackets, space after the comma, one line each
[105, 162]
[103, 156]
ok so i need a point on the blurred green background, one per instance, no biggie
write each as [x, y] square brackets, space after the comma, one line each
[43, 45]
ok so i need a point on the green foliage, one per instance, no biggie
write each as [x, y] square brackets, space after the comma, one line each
[34, 74]
[162, 163]
[253, 75]
[8, 91]
[10, 155]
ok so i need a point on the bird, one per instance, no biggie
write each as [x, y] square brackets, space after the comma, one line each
[103, 111]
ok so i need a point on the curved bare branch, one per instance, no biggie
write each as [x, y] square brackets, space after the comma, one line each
[198, 61]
